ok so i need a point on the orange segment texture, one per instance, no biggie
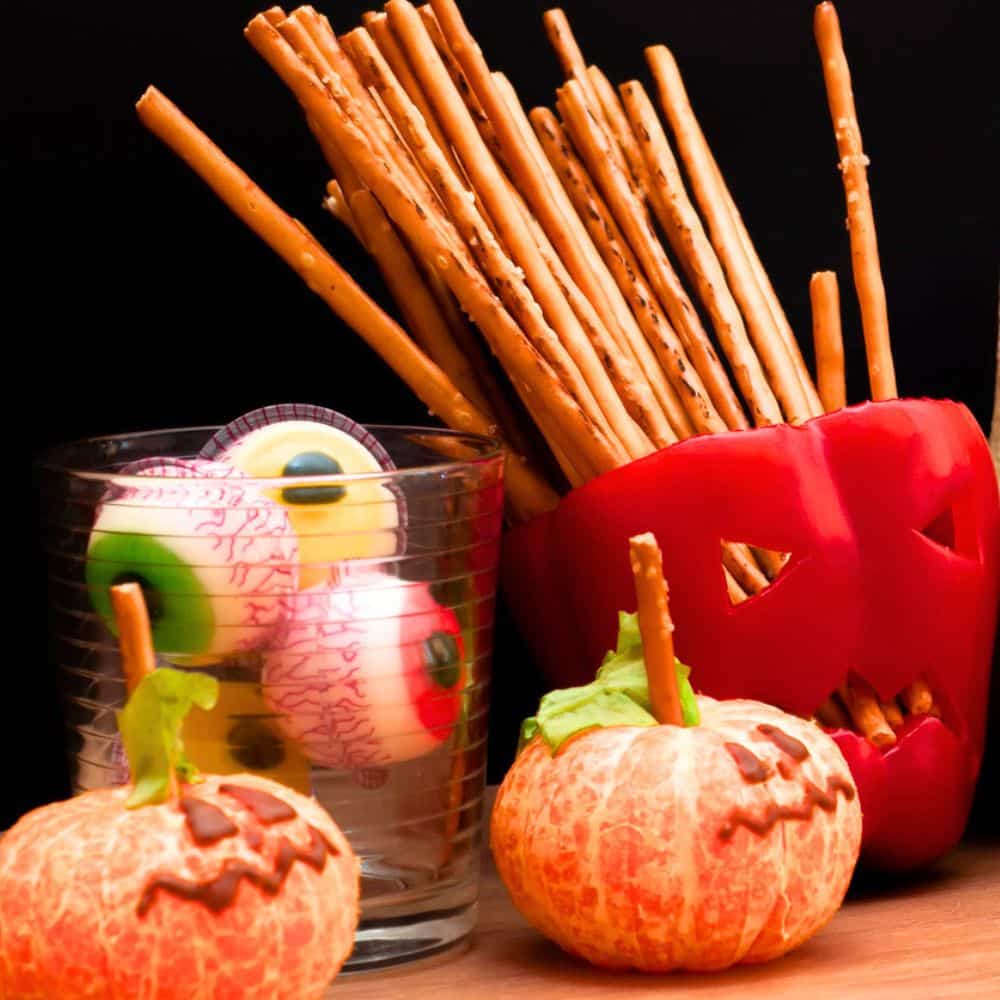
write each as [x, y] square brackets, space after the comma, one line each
[612, 848]
[73, 874]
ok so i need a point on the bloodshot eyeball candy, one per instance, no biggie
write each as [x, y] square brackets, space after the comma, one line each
[366, 672]
[334, 521]
[214, 556]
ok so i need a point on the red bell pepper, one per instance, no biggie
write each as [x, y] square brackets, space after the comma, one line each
[891, 515]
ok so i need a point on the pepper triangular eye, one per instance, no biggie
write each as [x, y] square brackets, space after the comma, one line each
[749, 569]
[941, 529]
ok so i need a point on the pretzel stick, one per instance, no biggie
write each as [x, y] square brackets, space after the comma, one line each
[862, 705]
[275, 15]
[376, 73]
[331, 106]
[135, 637]
[521, 164]
[580, 365]
[738, 559]
[592, 144]
[828, 338]
[572, 243]
[378, 28]
[770, 296]
[634, 393]
[694, 250]
[293, 242]
[422, 296]
[917, 698]
[614, 115]
[736, 594]
[618, 318]
[832, 715]
[656, 629]
[574, 67]
[398, 269]
[626, 272]
[461, 81]
[694, 151]
[892, 712]
[336, 204]
[860, 219]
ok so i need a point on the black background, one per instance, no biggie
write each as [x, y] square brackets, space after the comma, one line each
[136, 301]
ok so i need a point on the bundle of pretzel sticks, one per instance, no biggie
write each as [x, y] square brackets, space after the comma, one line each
[536, 239]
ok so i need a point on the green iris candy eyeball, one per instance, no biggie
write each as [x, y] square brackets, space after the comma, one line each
[441, 659]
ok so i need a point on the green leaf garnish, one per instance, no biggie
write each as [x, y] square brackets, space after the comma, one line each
[150, 726]
[619, 696]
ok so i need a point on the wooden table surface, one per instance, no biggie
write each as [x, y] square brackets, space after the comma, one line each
[926, 938]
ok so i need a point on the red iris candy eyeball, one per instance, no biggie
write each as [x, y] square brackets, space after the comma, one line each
[366, 672]
[241, 890]
[890, 514]
[672, 847]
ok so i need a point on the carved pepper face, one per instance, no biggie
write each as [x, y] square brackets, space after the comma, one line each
[889, 512]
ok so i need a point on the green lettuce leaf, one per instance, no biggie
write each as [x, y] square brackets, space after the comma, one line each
[150, 726]
[618, 696]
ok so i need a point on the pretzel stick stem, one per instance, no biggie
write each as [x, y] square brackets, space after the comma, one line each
[824, 297]
[656, 629]
[860, 218]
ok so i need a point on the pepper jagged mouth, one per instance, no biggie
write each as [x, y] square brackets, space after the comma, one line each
[856, 707]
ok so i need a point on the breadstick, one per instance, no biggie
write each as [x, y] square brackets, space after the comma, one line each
[335, 112]
[828, 339]
[614, 115]
[694, 151]
[694, 249]
[860, 219]
[863, 707]
[378, 28]
[293, 242]
[275, 15]
[917, 698]
[626, 271]
[592, 144]
[656, 629]
[584, 372]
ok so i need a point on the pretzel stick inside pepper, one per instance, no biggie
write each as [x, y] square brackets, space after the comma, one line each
[860, 218]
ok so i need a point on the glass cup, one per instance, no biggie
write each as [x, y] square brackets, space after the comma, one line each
[362, 677]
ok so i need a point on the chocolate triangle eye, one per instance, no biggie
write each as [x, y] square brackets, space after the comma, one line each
[749, 570]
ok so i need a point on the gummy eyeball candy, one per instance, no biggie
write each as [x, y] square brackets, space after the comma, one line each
[216, 558]
[241, 734]
[366, 672]
[333, 521]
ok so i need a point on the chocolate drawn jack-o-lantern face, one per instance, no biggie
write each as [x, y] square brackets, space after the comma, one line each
[890, 514]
